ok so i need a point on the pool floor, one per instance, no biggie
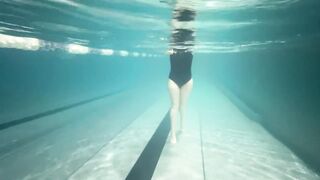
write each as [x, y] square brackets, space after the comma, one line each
[103, 140]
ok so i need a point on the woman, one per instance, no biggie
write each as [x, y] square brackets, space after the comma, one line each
[180, 85]
[180, 78]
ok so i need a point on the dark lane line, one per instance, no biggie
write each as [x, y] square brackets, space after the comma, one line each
[53, 111]
[144, 167]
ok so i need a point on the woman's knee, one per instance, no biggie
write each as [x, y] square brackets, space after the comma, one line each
[174, 108]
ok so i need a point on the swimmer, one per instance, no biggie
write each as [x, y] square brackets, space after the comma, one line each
[180, 81]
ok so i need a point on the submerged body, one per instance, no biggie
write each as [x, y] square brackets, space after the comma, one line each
[180, 78]
[180, 85]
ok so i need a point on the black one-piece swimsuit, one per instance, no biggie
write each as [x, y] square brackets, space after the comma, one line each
[180, 71]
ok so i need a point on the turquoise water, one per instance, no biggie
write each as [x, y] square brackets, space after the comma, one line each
[78, 79]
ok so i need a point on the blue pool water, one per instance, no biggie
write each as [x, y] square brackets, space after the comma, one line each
[83, 88]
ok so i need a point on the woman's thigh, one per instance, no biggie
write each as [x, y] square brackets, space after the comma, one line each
[185, 92]
[174, 92]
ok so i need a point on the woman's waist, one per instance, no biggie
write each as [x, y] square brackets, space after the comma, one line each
[180, 74]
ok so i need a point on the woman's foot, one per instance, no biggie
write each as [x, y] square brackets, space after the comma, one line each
[173, 139]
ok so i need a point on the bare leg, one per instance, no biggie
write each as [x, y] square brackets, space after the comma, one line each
[184, 95]
[174, 94]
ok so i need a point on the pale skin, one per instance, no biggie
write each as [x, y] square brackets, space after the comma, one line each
[179, 98]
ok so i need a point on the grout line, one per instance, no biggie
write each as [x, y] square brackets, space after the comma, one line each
[201, 143]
